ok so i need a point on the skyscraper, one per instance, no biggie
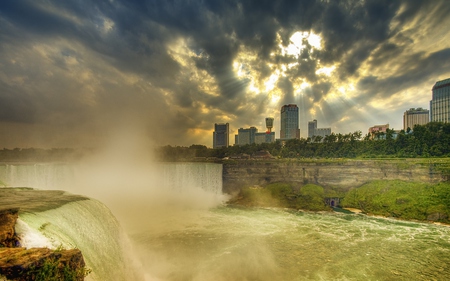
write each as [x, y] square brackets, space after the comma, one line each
[312, 127]
[251, 135]
[415, 116]
[313, 131]
[323, 132]
[440, 103]
[289, 122]
[246, 136]
[221, 135]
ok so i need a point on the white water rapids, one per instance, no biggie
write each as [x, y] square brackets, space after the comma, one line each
[176, 228]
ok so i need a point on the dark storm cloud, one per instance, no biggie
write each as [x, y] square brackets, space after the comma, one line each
[419, 68]
[288, 89]
[352, 29]
[318, 91]
[29, 15]
[82, 60]
[386, 52]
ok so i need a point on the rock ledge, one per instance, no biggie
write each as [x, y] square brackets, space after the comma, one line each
[20, 264]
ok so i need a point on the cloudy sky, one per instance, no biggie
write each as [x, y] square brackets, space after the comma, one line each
[76, 73]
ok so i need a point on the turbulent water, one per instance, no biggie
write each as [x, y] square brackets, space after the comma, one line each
[180, 229]
[259, 244]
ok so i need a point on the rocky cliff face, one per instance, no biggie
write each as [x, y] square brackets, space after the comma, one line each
[343, 174]
[20, 264]
[17, 263]
[8, 220]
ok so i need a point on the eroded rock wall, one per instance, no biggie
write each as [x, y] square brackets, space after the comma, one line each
[343, 174]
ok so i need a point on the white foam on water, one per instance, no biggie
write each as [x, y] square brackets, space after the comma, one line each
[30, 237]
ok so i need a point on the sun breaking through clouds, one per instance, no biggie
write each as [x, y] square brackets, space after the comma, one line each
[72, 73]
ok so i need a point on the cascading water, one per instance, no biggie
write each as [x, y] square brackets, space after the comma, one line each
[181, 232]
[182, 177]
[40, 175]
[188, 176]
[89, 226]
[132, 193]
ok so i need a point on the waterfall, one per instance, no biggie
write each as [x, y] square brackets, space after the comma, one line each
[39, 175]
[149, 198]
[173, 176]
[87, 225]
[189, 176]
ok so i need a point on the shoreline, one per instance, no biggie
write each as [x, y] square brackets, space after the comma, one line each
[350, 211]
[358, 211]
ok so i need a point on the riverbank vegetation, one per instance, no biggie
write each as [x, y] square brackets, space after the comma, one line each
[393, 198]
[399, 199]
[283, 195]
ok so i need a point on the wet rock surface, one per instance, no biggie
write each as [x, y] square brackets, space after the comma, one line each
[18, 263]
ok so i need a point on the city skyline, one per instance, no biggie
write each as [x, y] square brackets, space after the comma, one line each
[82, 73]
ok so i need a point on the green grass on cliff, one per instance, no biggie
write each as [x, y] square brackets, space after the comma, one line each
[309, 197]
[52, 270]
[406, 200]
[390, 198]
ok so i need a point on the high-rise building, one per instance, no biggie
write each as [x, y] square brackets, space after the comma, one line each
[251, 135]
[440, 103]
[414, 117]
[313, 131]
[323, 132]
[266, 137]
[246, 136]
[289, 122]
[312, 127]
[221, 135]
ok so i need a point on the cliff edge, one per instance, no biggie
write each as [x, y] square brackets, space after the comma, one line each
[19, 263]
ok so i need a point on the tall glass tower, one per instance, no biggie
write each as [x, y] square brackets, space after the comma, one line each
[289, 122]
[221, 135]
[440, 103]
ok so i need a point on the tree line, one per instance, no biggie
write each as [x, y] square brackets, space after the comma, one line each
[39, 154]
[430, 140]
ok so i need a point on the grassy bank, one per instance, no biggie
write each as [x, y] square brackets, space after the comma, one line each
[395, 198]
[405, 200]
[283, 195]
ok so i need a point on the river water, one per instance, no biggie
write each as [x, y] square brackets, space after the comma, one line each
[181, 229]
[228, 243]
